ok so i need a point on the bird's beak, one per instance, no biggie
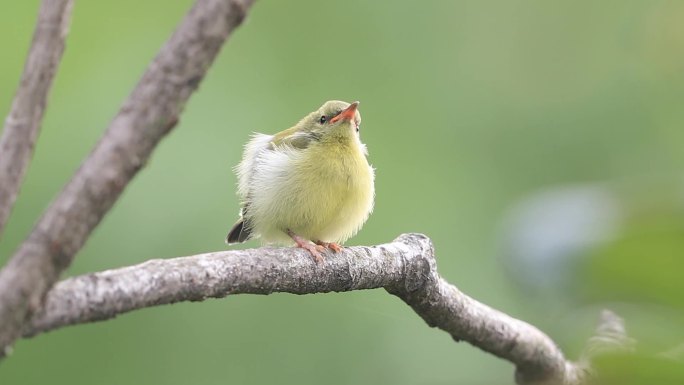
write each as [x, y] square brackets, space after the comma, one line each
[348, 114]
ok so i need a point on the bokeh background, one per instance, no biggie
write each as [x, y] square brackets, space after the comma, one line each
[540, 145]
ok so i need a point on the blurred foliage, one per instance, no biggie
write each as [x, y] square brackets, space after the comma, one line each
[468, 106]
[638, 370]
[616, 245]
[644, 264]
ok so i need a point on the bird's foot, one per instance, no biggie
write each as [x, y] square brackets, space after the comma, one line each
[315, 250]
[335, 247]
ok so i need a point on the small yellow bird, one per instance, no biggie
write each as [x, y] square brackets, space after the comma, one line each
[310, 184]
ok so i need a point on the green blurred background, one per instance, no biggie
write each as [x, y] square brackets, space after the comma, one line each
[469, 108]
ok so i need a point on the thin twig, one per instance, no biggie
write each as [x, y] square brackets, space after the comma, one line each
[26, 114]
[405, 268]
[148, 114]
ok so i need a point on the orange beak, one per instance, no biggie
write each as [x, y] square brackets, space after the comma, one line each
[348, 114]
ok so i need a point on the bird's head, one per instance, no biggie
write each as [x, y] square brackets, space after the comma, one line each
[334, 119]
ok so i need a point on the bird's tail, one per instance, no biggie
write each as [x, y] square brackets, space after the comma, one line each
[239, 233]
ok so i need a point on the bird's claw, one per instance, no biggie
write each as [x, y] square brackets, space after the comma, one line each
[320, 248]
[335, 247]
[314, 250]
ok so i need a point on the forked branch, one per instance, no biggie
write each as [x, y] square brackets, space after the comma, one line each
[149, 113]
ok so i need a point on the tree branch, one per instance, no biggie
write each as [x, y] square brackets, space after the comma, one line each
[23, 121]
[405, 268]
[148, 114]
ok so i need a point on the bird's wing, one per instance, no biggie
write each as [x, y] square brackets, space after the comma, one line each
[294, 138]
[287, 139]
[273, 150]
[256, 145]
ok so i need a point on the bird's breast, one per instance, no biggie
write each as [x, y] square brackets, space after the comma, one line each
[321, 192]
[341, 166]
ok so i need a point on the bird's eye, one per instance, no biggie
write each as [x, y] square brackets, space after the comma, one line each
[323, 119]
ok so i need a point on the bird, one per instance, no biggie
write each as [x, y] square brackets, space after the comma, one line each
[310, 184]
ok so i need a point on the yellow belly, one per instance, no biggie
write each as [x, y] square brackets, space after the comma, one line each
[327, 197]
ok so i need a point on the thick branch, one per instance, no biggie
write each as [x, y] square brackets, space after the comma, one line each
[405, 268]
[26, 114]
[148, 114]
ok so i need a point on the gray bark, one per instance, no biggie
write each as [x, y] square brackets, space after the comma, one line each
[149, 113]
[405, 268]
[26, 114]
